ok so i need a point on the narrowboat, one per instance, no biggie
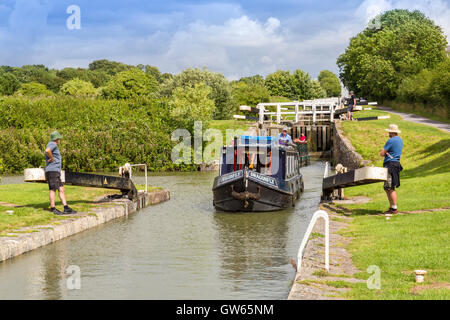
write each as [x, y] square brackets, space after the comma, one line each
[257, 174]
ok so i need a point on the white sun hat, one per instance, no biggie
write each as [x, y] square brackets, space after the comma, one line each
[393, 128]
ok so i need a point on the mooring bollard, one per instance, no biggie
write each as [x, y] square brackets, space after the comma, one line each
[420, 275]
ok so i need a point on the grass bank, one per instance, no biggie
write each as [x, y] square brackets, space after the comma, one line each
[431, 112]
[224, 125]
[406, 242]
[30, 201]
[425, 180]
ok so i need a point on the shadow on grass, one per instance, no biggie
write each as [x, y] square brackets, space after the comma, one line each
[46, 205]
[438, 165]
[365, 212]
[352, 212]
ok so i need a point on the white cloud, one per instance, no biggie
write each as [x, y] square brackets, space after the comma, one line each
[221, 37]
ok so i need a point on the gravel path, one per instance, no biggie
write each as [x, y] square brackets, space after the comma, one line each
[418, 119]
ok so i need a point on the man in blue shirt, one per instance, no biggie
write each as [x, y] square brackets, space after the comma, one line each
[53, 163]
[392, 151]
[284, 138]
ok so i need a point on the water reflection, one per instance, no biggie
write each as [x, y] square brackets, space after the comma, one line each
[181, 249]
[252, 245]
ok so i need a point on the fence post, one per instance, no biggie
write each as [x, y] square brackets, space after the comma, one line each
[278, 113]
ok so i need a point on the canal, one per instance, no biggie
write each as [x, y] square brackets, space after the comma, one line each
[181, 249]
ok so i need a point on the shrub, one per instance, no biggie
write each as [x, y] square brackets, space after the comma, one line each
[130, 84]
[79, 88]
[34, 89]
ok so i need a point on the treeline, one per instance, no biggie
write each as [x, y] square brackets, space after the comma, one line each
[114, 80]
[402, 56]
[112, 113]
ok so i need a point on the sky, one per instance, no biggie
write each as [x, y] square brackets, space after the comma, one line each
[236, 38]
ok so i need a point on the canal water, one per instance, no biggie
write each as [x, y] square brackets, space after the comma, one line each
[180, 249]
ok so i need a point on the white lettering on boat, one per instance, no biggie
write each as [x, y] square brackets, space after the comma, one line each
[262, 178]
[229, 177]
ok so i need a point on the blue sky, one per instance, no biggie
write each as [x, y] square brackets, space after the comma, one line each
[236, 38]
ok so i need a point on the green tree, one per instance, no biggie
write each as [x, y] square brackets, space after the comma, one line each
[98, 78]
[301, 85]
[249, 94]
[220, 94]
[154, 71]
[110, 67]
[189, 104]
[252, 80]
[34, 89]
[295, 86]
[8, 83]
[129, 84]
[39, 74]
[378, 59]
[279, 83]
[316, 91]
[330, 82]
[430, 86]
[79, 88]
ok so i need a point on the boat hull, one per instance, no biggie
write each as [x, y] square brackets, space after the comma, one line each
[249, 194]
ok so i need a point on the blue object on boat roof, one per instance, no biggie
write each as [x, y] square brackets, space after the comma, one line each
[247, 140]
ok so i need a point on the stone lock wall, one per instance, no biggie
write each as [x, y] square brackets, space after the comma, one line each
[343, 151]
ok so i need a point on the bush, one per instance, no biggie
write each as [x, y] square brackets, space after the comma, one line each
[34, 89]
[8, 83]
[430, 87]
[130, 84]
[220, 93]
[98, 134]
[79, 88]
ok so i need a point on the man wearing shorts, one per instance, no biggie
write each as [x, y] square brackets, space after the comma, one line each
[351, 105]
[392, 152]
[53, 174]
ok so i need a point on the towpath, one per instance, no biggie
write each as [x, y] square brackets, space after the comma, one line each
[418, 119]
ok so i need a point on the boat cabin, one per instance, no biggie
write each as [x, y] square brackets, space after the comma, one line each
[260, 154]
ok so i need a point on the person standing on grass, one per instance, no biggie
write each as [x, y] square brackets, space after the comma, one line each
[392, 152]
[351, 105]
[53, 163]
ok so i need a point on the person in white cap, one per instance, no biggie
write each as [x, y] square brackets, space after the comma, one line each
[392, 151]
[284, 138]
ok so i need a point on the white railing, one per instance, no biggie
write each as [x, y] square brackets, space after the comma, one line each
[318, 214]
[307, 107]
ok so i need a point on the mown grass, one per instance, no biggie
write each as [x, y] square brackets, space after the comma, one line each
[398, 247]
[405, 242]
[33, 200]
[238, 126]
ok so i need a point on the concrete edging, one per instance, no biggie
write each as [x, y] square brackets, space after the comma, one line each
[11, 247]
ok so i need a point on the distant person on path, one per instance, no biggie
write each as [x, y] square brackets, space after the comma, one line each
[351, 105]
[392, 152]
[53, 163]
[284, 138]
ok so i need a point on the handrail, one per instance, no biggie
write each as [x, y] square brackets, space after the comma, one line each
[315, 107]
[145, 168]
[318, 214]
